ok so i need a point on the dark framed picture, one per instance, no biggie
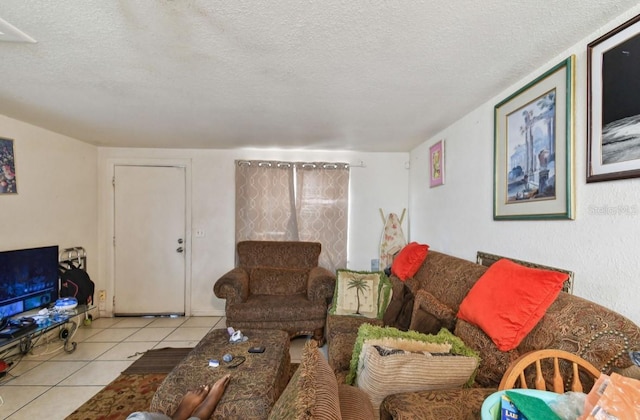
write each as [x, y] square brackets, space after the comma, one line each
[533, 148]
[436, 164]
[613, 102]
[8, 183]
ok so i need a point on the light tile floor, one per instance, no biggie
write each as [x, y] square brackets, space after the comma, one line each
[51, 384]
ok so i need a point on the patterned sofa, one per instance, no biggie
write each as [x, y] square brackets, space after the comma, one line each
[277, 285]
[601, 336]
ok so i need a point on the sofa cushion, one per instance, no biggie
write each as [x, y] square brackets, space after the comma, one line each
[312, 392]
[409, 260]
[341, 332]
[280, 308]
[424, 321]
[509, 300]
[599, 335]
[368, 332]
[493, 362]
[400, 308]
[396, 371]
[278, 281]
[430, 315]
[361, 293]
[446, 277]
[437, 404]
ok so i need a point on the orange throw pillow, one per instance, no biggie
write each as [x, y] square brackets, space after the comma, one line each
[409, 260]
[509, 300]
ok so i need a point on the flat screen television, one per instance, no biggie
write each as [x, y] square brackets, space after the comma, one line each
[28, 279]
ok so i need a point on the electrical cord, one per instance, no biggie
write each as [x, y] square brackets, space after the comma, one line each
[73, 329]
[235, 362]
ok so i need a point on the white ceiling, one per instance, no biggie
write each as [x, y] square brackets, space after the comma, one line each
[349, 74]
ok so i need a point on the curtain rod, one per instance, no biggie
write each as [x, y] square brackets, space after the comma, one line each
[326, 165]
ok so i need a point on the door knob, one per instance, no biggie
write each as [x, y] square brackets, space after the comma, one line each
[180, 241]
[180, 249]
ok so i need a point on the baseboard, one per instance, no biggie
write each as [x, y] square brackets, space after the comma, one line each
[212, 312]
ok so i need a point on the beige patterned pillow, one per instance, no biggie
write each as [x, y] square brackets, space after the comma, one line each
[361, 293]
[379, 376]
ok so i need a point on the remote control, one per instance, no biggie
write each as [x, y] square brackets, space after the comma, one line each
[256, 349]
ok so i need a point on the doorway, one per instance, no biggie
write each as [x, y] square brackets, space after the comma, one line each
[149, 240]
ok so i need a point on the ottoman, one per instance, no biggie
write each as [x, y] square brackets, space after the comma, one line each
[255, 384]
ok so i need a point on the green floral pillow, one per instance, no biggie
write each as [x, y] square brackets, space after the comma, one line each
[361, 293]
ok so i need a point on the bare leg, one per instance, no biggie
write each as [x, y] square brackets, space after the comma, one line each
[190, 402]
[205, 409]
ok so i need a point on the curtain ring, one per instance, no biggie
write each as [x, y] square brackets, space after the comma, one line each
[330, 166]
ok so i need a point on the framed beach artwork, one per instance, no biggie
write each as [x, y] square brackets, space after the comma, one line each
[533, 148]
[436, 164]
[8, 183]
[613, 85]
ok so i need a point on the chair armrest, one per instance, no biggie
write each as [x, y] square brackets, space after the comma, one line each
[321, 285]
[233, 286]
[341, 332]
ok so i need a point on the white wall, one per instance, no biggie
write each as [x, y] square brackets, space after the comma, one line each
[382, 183]
[57, 195]
[457, 218]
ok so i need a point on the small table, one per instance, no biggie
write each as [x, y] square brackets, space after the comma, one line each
[255, 385]
[27, 337]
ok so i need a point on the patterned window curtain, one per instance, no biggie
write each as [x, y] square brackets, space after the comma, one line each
[282, 201]
[265, 201]
[322, 204]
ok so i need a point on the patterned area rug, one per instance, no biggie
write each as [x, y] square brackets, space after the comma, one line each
[126, 394]
[134, 388]
[158, 360]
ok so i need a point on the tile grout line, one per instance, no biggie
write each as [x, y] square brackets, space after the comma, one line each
[120, 324]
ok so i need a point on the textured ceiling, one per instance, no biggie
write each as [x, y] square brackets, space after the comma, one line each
[351, 75]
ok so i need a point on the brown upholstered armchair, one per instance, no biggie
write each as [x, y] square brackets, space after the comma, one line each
[277, 285]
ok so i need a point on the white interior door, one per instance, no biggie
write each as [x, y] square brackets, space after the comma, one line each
[149, 240]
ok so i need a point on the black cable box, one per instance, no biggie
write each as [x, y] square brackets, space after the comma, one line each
[17, 331]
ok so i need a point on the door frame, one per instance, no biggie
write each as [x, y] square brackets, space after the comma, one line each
[109, 233]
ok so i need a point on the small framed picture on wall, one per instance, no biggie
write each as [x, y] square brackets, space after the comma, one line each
[436, 164]
[613, 140]
[7, 167]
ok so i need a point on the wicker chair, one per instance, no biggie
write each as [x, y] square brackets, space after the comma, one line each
[277, 285]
